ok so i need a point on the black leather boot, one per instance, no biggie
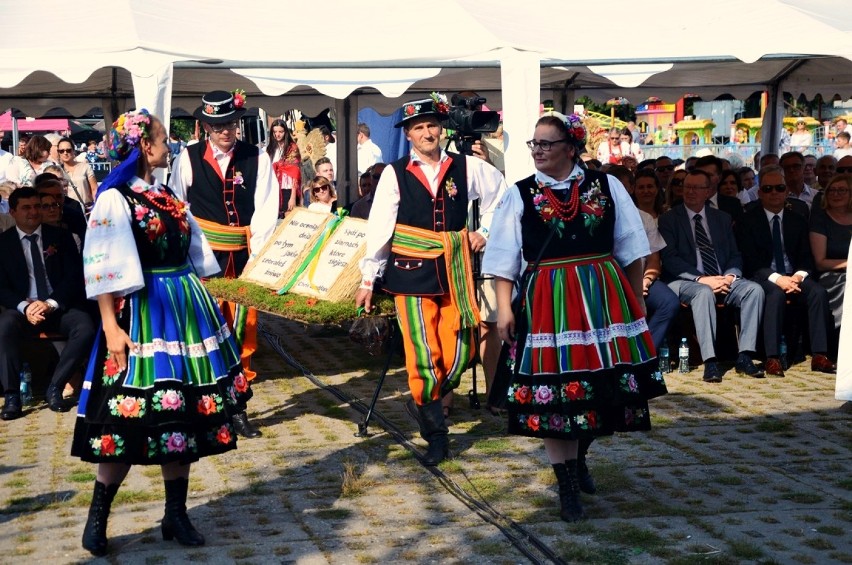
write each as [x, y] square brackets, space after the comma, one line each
[176, 524]
[94, 535]
[243, 427]
[584, 477]
[569, 491]
[434, 430]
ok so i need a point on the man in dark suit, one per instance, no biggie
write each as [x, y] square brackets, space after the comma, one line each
[712, 165]
[42, 289]
[778, 258]
[702, 265]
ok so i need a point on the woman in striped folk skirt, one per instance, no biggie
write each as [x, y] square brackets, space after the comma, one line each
[578, 359]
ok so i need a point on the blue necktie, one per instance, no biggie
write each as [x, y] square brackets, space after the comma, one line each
[778, 246]
[705, 248]
[38, 267]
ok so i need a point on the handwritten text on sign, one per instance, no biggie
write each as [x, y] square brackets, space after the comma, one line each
[285, 247]
[334, 258]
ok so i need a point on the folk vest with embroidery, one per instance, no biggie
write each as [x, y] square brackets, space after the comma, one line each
[591, 231]
[444, 212]
[218, 200]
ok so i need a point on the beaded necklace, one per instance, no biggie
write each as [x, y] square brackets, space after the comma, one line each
[165, 202]
[566, 210]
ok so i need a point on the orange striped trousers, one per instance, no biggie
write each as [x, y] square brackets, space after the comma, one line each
[436, 355]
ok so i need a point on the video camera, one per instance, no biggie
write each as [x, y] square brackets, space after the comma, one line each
[469, 124]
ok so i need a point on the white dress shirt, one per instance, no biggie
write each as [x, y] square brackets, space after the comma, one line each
[788, 266]
[32, 293]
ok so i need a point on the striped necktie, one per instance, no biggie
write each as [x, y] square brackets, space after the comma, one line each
[705, 248]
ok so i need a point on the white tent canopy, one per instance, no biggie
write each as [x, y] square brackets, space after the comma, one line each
[393, 48]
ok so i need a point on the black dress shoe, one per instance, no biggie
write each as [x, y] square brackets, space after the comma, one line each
[243, 427]
[12, 407]
[712, 372]
[54, 400]
[745, 366]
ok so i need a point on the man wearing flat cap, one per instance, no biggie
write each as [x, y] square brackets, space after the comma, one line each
[234, 197]
[417, 240]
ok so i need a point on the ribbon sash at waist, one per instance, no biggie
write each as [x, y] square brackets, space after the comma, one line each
[225, 238]
[454, 246]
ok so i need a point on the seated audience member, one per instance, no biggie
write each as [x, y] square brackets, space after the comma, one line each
[664, 167]
[826, 167]
[674, 191]
[72, 213]
[793, 164]
[712, 165]
[323, 196]
[702, 265]
[831, 236]
[51, 208]
[747, 177]
[689, 163]
[729, 185]
[647, 194]
[361, 208]
[810, 170]
[41, 287]
[777, 255]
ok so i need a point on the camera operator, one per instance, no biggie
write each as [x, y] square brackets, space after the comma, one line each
[468, 110]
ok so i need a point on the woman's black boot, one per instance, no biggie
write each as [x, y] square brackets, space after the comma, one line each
[587, 483]
[569, 491]
[176, 524]
[94, 535]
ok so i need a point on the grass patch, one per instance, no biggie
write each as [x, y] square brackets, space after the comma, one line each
[292, 306]
[82, 477]
[802, 497]
[493, 446]
[333, 513]
[354, 483]
[831, 530]
[487, 488]
[818, 543]
[241, 552]
[774, 426]
[580, 553]
[17, 482]
[743, 549]
[626, 534]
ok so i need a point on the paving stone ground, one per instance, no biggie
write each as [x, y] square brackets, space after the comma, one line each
[746, 471]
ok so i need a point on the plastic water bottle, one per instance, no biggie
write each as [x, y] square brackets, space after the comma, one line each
[782, 353]
[665, 364]
[683, 356]
[26, 384]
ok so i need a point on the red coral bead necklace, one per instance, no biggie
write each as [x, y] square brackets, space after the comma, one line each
[566, 210]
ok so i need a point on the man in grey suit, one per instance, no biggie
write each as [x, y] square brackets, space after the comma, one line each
[702, 265]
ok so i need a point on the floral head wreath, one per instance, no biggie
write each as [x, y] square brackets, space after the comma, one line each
[574, 125]
[127, 131]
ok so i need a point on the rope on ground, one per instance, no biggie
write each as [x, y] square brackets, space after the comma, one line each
[524, 541]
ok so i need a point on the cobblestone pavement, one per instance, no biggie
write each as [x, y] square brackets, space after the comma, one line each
[746, 471]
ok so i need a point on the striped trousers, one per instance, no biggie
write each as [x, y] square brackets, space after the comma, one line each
[436, 354]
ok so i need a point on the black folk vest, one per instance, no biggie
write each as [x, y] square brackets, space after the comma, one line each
[446, 211]
[224, 202]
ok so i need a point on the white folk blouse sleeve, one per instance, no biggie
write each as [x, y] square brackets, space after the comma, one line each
[110, 260]
[629, 239]
[487, 184]
[503, 253]
[380, 226]
[265, 215]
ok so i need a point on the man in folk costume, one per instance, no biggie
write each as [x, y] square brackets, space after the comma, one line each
[417, 238]
[234, 197]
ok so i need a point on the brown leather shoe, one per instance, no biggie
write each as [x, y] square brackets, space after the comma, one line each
[773, 367]
[822, 364]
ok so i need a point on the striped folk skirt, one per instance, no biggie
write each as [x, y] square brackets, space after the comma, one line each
[175, 399]
[583, 364]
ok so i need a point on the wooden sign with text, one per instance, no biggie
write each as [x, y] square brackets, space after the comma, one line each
[291, 241]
